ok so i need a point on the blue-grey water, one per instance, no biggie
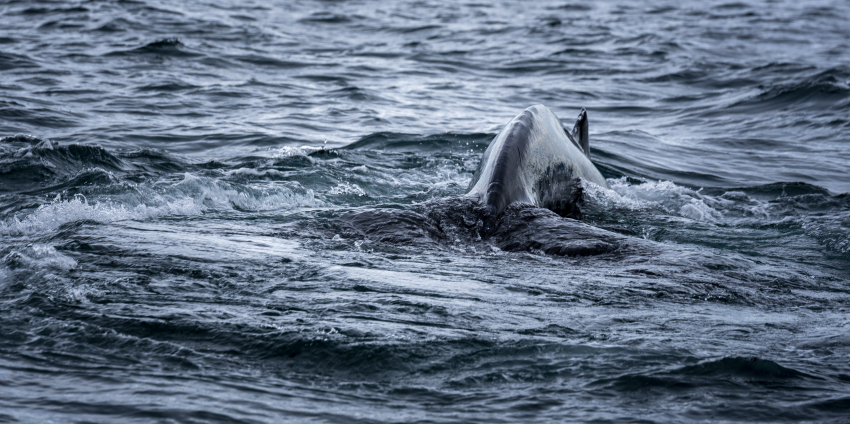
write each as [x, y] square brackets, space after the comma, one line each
[177, 181]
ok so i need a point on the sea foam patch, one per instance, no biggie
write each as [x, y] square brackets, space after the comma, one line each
[193, 195]
[61, 211]
[652, 195]
[78, 208]
[39, 255]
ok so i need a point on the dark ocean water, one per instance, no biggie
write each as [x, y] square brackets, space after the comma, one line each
[225, 212]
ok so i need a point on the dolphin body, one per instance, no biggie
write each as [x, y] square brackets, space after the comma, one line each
[532, 163]
[534, 160]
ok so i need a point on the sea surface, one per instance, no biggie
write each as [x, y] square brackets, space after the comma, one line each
[247, 211]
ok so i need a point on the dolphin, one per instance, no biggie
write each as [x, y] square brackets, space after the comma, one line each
[532, 165]
[534, 160]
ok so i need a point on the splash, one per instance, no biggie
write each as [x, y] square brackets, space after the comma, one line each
[652, 195]
[213, 194]
[347, 188]
[59, 211]
[289, 151]
[193, 195]
[39, 256]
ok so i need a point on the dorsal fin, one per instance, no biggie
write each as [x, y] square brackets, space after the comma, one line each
[580, 135]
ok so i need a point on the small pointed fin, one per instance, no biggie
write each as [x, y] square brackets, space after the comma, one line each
[580, 134]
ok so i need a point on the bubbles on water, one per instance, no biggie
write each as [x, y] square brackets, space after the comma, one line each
[289, 151]
[213, 194]
[347, 188]
[601, 198]
[775, 211]
[263, 173]
[59, 211]
[696, 211]
[42, 268]
[651, 195]
[39, 256]
[193, 195]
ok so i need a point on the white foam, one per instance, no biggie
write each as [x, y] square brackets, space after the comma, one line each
[60, 211]
[347, 188]
[192, 195]
[289, 151]
[441, 179]
[698, 211]
[195, 195]
[660, 195]
[603, 198]
[254, 172]
[44, 266]
[41, 256]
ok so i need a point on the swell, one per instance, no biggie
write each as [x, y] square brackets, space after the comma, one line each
[31, 165]
[28, 163]
[827, 90]
[422, 144]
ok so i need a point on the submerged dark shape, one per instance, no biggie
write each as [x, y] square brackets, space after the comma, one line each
[457, 219]
[534, 160]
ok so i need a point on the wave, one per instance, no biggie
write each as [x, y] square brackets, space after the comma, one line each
[730, 370]
[357, 94]
[29, 163]
[403, 142]
[9, 61]
[39, 256]
[119, 25]
[59, 212]
[768, 201]
[52, 10]
[329, 18]
[663, 196]
[793, 208]
[193, 195]
[210, 193]
[259, 60]
[840, 405]
[167, 87]
[832, 232]
[156, 161]
[166, 47]
[39, 117]
[346, 188]
[827, 90]
[748, 368]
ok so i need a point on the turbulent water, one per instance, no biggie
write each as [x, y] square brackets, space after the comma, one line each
[248, 212]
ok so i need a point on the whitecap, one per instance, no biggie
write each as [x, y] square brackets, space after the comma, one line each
[347, 188]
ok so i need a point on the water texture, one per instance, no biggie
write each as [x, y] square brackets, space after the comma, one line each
[248, 212]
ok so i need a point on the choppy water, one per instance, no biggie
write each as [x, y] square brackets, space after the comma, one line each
[176, 248]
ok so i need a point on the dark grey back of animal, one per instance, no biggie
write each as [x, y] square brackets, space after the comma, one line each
[534, 160]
